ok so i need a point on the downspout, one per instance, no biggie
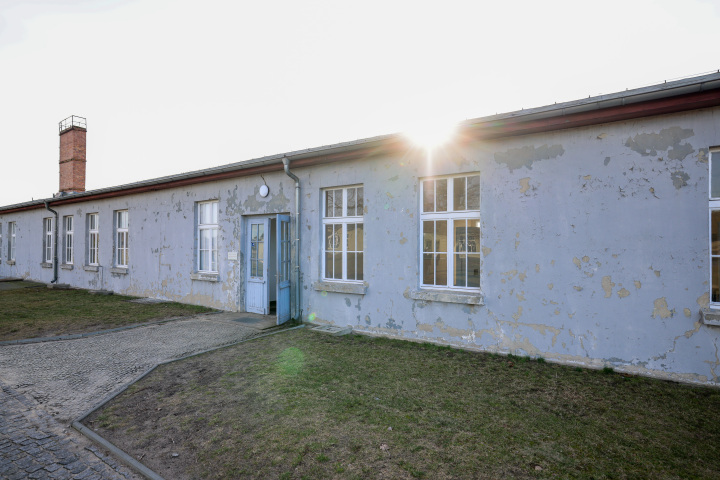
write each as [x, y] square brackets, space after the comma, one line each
[296, 234]
[55, 243]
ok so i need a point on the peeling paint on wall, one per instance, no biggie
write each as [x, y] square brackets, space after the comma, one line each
[516, 158]
[660, 308]
[668, 139]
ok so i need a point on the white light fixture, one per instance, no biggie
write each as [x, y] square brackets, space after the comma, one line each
[264, 190]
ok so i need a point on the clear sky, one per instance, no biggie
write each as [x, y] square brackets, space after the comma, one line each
[169, 86]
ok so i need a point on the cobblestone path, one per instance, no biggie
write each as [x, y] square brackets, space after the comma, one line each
[47, 385]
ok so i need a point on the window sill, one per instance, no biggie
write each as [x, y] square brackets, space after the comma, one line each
[448, 296]
[46, 265]
[340, 287]
[67, 266]
[11, 262]
[205, 277]
[710, 317]
[119, 270]
[91, 268]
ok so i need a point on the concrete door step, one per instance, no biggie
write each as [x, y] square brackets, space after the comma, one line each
[332, 330]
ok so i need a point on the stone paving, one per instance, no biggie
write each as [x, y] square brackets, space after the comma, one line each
[47, 385]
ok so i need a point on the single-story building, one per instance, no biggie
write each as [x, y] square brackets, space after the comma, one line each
[584, 232]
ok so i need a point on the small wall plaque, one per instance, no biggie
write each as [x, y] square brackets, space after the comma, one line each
[232, 255]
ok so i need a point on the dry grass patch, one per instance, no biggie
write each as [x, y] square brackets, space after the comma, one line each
[41, 312]
[303, 405]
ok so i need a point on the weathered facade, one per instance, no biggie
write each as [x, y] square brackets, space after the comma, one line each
[577, 232]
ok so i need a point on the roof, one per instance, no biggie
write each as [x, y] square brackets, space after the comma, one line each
[686, 94]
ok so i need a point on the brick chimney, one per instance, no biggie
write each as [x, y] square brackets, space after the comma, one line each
[73, 131]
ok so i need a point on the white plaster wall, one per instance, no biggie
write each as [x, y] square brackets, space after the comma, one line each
[595, 247]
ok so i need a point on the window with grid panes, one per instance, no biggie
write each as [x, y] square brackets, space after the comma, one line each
[93, 239]
[714, 221]
[207, 236]
[121, 238]
[450, 233]
[47, 240]
[68, 230]
[343, 233]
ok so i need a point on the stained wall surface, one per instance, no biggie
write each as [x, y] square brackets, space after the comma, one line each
[594, 246]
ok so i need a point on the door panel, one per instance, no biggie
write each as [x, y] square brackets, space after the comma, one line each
[283, 268]
[256, 300]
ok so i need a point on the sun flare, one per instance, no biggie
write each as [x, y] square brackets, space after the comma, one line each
[430, 133]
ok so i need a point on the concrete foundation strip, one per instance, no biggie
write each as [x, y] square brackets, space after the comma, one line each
[117, 452]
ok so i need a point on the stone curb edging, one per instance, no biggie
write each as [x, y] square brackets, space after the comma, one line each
[75, 336]
[120, 454]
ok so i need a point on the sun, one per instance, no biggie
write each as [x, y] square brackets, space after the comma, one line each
[430, 133]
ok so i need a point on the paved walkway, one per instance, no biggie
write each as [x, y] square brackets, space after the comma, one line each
[47, 385]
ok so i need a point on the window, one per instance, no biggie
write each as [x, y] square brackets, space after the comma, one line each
[343, 233]
[11, 241]
[48, 240]
[207, 236]
[715, 228]
[121, 238]
[68, 236]
[93, 239]
[450, 235]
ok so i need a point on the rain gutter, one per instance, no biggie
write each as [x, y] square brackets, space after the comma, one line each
[296, 236]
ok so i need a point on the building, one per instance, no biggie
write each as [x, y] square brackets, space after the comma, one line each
[579, 232]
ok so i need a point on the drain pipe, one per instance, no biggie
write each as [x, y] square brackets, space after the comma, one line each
[296, 234]
[55, 243]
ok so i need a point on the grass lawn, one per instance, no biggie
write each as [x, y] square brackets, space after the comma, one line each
[37, 311]
[306, 405]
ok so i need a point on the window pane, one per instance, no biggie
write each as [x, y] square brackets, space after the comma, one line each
[429, 196]
[441, 269]
[359, 267]
[359, 232]
[428, 236]
[213, 239]
[473, 236]
[338, 203]
[460, 270]
[261, 233]
[473, 270]
[260, 268]
[253, 233]
[337, 267]
[328, 265]
[441, 200]
[214, 218]
[715, 225]
[441, 236]
[360, 201]
[351, 202]
[715, 171]
[351, 266]
[329, 209]
[715, 280]
[460, 241]
[459, 193]
[350, 245]
[428, 269]
[329, 237]
[473, 192]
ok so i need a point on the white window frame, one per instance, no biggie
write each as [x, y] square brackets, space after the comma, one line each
[48, 240]
[450, 216]
[207, 230]
[714, 206]
[93, 232]
[68, 233]
[12, 238]
[122, 252]
[342, 223]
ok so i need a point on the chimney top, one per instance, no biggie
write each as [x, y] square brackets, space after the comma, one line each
[73, 121]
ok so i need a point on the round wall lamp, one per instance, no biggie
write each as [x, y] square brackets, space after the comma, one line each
[264, 190]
